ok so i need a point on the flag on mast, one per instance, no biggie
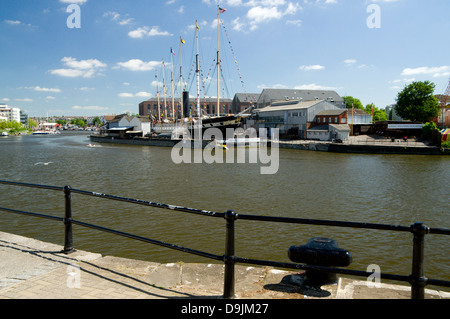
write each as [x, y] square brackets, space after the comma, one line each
[222, 10]
[171, 51]
[182, 41]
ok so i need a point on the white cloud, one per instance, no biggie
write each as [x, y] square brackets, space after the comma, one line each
[434, 71]
[117, 18]
[143, 94]
[297, 23]
[126, 95]
[312, 67]
[139, 65]
[237, 25]
[13, 22]
[73, 1]
[23, 100]
[263, 11]
[18, 23]
[139, 94]
[263, 14]
[349, 61]
[83, 68]
[39, 89]
[142, 32]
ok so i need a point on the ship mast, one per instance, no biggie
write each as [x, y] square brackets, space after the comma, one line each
[164, 90]
[218, 61]
[181, 79]
[197, 71]
[173, 98]
[157, 93]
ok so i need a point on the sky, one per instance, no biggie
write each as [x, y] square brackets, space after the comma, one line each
[104, 57]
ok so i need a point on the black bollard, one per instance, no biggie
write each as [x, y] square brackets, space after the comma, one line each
[320, 251]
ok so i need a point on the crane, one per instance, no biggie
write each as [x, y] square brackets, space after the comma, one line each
[444, 100]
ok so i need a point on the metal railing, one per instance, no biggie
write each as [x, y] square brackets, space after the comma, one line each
[417, 279]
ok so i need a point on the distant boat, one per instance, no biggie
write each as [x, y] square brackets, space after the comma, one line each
[47, 129]
[5, 134]
[46, 132]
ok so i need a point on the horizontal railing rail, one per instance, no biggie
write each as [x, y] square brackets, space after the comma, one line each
[417, 278]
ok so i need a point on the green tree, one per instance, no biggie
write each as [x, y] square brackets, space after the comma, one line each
[31, 123]
[97, 121]
[78, 122]
[416, 102]
[351, 101]
[428, 128]
[378, 115]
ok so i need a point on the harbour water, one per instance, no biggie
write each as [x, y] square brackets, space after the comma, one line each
[388, 189]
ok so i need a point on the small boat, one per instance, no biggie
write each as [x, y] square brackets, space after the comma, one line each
[242, 142]
[52, 132]
[5, 134]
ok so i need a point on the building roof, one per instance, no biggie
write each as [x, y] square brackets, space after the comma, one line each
[305, 95]
[123, 128]
[341, 127]
[247, 97]
[319, 128]
[331, 112]
[141, 119]
[286, 106]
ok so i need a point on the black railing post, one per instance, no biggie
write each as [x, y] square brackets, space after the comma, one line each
[417, 279]
[229, 258]
[68, 237]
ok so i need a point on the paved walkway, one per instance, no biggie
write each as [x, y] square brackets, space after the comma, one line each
[32, 269]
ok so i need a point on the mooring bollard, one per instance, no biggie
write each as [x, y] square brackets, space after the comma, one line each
[320, 251]
[68, 237]
[417, 279]
[228, 289]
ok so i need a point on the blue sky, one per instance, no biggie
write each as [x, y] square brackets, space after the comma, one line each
[366, 49]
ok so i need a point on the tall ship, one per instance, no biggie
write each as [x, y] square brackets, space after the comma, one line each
[192, 122]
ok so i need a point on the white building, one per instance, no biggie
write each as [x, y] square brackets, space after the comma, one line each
[10, 113]
[133, 124]
[292, 117]
[141, 124]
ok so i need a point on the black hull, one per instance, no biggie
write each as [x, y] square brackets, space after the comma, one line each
[223, 124]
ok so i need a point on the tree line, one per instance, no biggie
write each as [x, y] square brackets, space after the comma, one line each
[416, 103]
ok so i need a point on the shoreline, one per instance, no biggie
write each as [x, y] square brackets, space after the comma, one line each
[296, 145]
